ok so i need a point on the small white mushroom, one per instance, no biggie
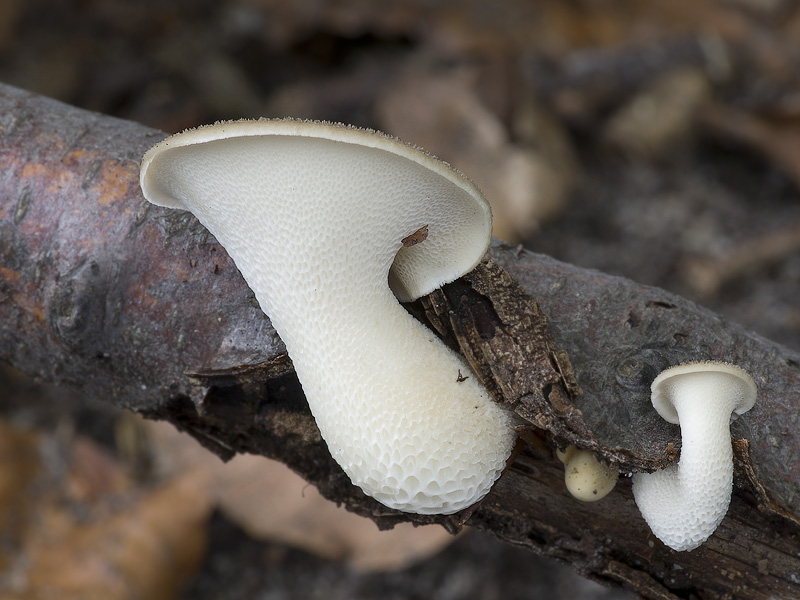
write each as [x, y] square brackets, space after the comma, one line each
[586, 478]
[324, 222]
[683, 504]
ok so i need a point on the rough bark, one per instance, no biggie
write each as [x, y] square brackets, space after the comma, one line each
[141, 307]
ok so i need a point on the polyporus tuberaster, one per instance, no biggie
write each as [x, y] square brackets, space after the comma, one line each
[683, 504]
[325, 222]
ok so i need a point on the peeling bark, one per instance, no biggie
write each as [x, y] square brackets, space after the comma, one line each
[141, 307]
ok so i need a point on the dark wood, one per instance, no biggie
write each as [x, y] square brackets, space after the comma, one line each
[139, 306]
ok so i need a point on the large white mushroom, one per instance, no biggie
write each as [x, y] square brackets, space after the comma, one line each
[683, 504]
[325, 222]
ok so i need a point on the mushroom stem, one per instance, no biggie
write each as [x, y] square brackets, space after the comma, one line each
[386, 424]
[683, 504]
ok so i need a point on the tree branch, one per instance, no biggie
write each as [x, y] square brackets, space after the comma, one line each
[140, 306]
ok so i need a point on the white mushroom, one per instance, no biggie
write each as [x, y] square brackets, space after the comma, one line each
[586, 478]
[683, 504]
[323, 222]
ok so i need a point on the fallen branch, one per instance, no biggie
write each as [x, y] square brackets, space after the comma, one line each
[139, 306]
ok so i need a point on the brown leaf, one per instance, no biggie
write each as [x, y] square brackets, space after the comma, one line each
[84, 532]
[419, 236]
[443, 113]
[271, 502]
[145, 550]
[778, 141]
[20, 465]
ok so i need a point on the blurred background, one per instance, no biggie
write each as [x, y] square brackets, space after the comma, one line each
[655, 140]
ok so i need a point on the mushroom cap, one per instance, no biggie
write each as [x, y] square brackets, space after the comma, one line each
[731, 381]
[455, 211]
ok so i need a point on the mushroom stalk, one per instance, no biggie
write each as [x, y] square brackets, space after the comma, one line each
[389, 403]
[315, 217]
[683, 504]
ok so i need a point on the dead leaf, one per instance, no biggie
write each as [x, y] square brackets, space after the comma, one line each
[20, 465]
[419, 236]
[86, 532]
[269, 501]
[442, 112]
[778, 141]
[147, 549]
[660, 119]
